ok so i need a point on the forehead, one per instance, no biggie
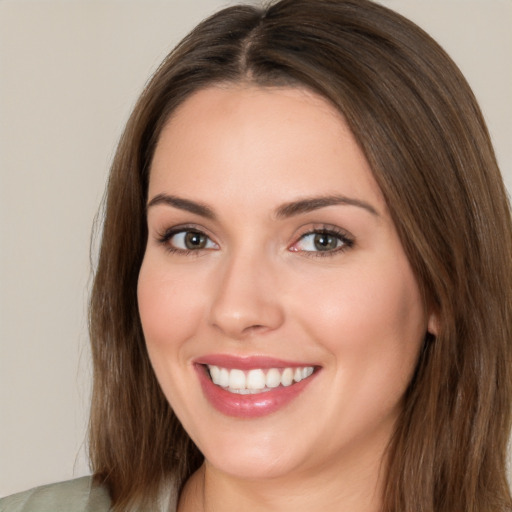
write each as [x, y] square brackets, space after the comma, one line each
[277, 141]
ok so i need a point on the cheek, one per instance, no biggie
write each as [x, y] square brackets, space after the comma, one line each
[371, 321]
[169, 304]
[170, 308]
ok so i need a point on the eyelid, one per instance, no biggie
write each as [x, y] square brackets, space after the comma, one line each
[164, 237]
[343, 235]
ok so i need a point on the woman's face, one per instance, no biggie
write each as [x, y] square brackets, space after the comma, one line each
[273, 267]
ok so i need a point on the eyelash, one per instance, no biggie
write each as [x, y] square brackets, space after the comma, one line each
[165, 238]
[342, 236]
[347, 241]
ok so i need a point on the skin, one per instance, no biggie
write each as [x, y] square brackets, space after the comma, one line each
[261, 287]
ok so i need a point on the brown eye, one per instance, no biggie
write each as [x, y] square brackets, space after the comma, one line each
[187, 240]
[325, 242]
[194, 240]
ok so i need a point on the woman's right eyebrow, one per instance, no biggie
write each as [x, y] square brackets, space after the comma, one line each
[182, 204]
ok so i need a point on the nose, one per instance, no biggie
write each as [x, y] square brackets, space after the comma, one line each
[247, 298]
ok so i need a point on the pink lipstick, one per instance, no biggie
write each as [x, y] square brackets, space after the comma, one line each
[249, 387]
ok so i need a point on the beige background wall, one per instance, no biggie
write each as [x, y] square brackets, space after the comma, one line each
[69, 73]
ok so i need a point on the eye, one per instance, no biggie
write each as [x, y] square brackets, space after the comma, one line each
[323, 241]
[186, 240]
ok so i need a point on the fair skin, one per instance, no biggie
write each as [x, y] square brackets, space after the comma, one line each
[253, 269]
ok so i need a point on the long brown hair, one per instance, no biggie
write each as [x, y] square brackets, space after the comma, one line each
[422, 132]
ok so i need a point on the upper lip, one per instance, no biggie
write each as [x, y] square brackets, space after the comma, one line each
[248, 362]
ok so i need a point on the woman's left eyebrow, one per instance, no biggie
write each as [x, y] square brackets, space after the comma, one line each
[314, 203]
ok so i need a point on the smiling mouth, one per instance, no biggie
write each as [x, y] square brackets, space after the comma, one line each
[257, 380]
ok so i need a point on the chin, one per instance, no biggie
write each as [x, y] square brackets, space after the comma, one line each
[252, 457]
[253, 466]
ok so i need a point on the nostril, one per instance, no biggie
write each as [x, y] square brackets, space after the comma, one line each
[255, 328]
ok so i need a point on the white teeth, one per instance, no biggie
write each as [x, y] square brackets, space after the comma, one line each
[287, 377]
[273, 378]
[237, 379]
[307, 371]
[215, 374]
[256, 380]
[224, 378]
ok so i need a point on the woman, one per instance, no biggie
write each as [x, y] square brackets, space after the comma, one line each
[303, 293]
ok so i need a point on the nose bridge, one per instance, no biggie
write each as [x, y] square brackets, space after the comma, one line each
[246, 298]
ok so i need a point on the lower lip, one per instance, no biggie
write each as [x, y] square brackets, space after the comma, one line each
[249, 406]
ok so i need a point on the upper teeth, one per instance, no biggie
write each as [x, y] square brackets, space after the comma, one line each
[256, 380]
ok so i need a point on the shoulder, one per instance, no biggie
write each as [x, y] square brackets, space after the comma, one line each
[79, 495]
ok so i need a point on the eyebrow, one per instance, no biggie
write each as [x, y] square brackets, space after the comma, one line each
[182, 204]
[286, 210]
[315, 203]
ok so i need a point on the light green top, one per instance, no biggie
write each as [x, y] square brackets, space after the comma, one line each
[80, 495]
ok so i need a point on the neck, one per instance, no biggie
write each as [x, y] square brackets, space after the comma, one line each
[354, 489]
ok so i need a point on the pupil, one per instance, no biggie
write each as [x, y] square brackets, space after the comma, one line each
[195, 240]
[325, 242]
